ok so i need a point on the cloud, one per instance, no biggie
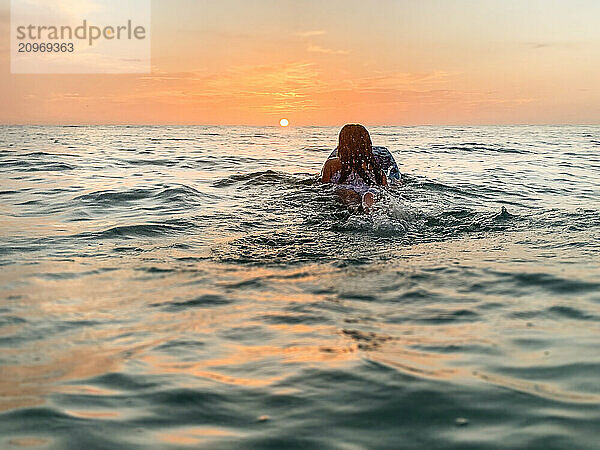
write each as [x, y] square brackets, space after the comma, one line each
[299, 86]
[306, 34]
[554, 44]
[402, 80]
[265, 87]
[539, 44]
[327, 51]
[256, 93]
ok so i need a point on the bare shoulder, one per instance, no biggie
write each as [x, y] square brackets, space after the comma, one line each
[331, 166]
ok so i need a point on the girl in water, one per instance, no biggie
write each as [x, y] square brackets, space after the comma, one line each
[355, 168]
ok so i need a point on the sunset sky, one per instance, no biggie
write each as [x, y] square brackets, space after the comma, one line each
[329, 62]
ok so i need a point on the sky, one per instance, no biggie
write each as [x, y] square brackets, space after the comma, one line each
[329, 62]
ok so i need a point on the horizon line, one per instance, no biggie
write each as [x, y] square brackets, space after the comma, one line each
[98, 124]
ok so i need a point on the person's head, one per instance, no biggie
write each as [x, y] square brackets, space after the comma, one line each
[354, 142]
[355, 152]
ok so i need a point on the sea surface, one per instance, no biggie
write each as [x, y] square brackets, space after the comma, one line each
[197, 287]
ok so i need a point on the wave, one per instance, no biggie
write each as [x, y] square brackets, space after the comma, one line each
[161, 139]
[261, 178]
[570, 312]
[336, 234]
[114, 197]
[543, 281]
[143, 230]
[151, 162]
[203, 301]
[577, 220]
[476, 147]
[37, 166]
[46, 154]
[180, 193]
[420, 182]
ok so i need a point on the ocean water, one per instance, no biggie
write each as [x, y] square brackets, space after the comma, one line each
[197, 287]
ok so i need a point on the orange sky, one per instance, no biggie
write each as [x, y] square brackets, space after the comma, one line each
[330, 62]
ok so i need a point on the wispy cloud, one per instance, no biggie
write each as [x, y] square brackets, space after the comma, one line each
[552, 44]
[540, 44]
[312, 33]
[403, 80]
[268, 87]
[263, 92]
[328, 51]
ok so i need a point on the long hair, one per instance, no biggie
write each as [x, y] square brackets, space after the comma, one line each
[355, 152]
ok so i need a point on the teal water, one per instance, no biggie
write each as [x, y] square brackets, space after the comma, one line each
[197, 287]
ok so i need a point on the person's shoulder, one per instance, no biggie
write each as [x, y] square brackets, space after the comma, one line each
[334, 162]
[331, 166]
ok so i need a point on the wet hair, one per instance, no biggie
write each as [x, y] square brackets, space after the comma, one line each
[355, 152]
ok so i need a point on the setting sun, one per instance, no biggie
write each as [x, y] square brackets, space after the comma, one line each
[284, 122]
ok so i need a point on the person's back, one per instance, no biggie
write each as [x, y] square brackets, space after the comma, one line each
[355, 166]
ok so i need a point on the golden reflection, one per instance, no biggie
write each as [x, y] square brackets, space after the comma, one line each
[398, 350]
[28, 442]
[40, 365]
[195, 435]
[81, 389]
[545, 390]
[26, 385]
[113, 317]
[93, 414]
[164, 365]
[120, 333]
